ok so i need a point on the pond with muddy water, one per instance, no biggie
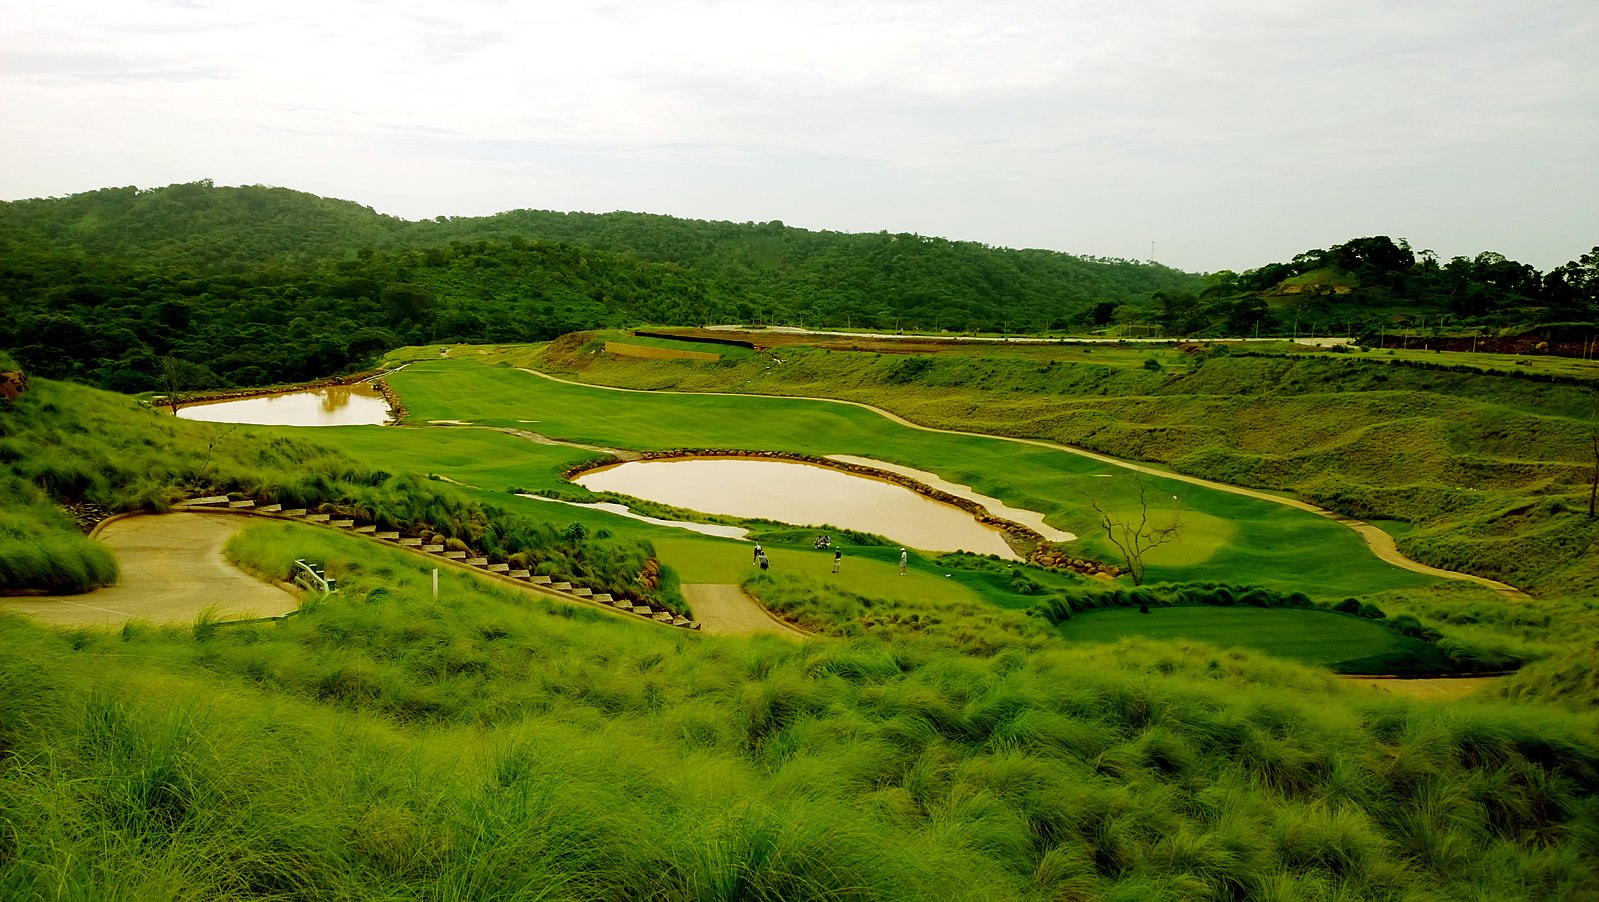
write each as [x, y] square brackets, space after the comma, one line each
[802, 494]
[334, 405]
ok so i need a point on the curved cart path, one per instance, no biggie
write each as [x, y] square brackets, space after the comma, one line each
[172, 569]
[1380, 543]
[724, 609]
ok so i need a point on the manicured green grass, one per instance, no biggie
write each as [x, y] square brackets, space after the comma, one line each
[1360, 433]
[1232, 537]
[1312, 637]
[865, 570]
[483, 458]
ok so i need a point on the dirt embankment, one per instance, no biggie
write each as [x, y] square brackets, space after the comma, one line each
[1519, 346]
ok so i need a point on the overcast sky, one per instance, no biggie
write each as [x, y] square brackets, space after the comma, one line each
[1228, 133]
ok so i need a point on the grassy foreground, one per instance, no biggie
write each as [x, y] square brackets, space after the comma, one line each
[385, 746]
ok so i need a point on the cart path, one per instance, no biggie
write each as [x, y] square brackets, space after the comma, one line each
[725, 609]
[172, 569]
[1381, 543]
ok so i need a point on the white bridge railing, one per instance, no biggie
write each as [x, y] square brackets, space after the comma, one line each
[310, 578]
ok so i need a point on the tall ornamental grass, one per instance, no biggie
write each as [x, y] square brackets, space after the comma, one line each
[384, 745]
[35, 557]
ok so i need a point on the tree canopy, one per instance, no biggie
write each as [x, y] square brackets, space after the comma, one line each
[267, 285]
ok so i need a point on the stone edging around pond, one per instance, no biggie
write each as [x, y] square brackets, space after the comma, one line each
[544, 585]
[1026, 541]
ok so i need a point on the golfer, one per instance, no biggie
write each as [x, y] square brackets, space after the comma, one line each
[904, 558]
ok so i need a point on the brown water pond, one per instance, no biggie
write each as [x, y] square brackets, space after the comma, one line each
[334, 405]
[802, 494]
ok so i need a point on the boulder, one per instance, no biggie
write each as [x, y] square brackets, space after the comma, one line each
[13, 384]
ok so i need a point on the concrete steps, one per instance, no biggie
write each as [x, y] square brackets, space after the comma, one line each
[583, 593]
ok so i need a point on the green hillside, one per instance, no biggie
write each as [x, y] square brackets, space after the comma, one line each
[1372, 287]
[196, 227]
[387, 744]
[266, 285]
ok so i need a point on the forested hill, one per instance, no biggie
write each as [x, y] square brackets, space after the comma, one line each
[874, 279]
[1370, 285]
[197, 226]
[267, 284]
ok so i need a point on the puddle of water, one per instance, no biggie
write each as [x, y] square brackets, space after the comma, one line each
[802, 494]
[334, 405]
[622, 510]
[1031, 519]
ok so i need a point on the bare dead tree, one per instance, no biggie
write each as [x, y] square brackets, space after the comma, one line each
[1136, 533]
[1593, 488]
[179, 378]
[215, 435]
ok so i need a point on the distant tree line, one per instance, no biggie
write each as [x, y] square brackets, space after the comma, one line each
[1368, 284]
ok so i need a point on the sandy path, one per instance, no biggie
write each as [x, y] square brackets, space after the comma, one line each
[172, 569]
[724, 609]
[1381, 544]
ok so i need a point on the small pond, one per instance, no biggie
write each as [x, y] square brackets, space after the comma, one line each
[334, 405]
[802, 494]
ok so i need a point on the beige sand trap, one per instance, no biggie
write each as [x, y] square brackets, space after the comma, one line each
[1440, 690]
[172, 569]
[724, 609]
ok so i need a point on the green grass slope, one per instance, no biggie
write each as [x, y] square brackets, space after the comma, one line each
[1229, 536]
[382, 745]
[1490, 471]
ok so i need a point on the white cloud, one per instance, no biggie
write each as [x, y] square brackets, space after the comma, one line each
[1231, 133]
